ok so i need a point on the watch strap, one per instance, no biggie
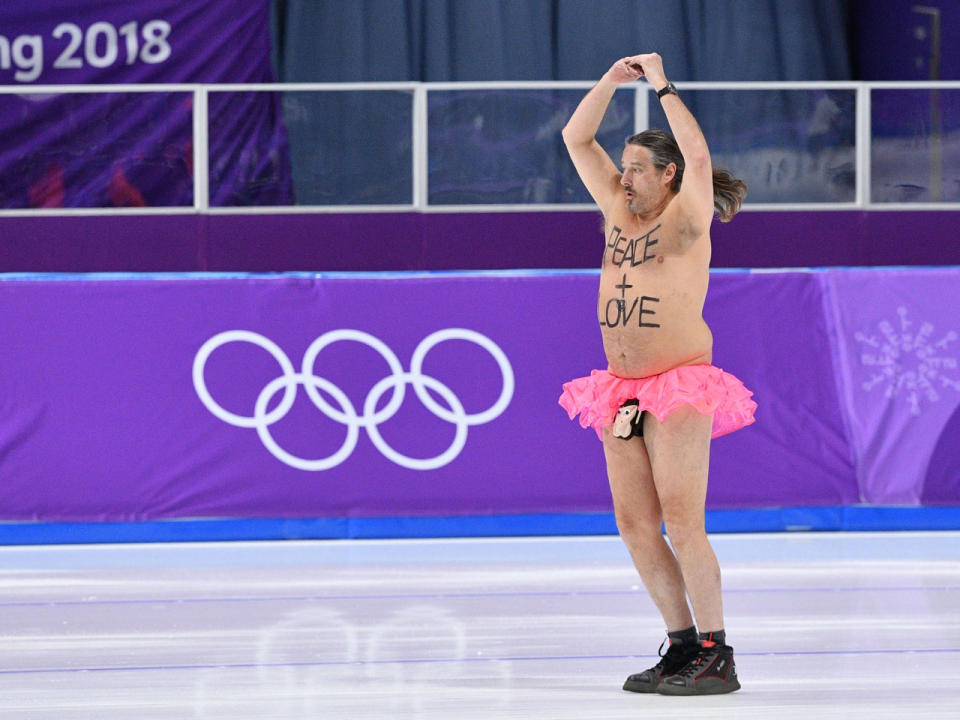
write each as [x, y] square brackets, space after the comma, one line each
[670, 88]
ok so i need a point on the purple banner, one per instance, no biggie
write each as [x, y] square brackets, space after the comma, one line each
[897, 347]
[136, 149]
[769, 331]
[285, 397]
[110, 370]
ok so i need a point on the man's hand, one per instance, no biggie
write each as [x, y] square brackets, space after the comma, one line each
[625, 70]
[631, 68]
[596, 169]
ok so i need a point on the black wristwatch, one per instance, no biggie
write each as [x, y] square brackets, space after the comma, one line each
[670, 88]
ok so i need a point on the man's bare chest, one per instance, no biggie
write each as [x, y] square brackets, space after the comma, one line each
[644, 249]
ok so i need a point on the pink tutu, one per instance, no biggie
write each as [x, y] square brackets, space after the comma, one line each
[707, 388]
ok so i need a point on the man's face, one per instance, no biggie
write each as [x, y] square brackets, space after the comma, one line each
[644, 184]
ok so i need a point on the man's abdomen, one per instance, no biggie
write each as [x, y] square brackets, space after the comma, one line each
[650, 325]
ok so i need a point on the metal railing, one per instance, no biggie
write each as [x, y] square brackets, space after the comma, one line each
[420, 200]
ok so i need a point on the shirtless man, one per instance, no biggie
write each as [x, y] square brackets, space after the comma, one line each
[660, 401]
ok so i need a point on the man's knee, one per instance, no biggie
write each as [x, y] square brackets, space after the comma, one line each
[637, 530]
[684, 526]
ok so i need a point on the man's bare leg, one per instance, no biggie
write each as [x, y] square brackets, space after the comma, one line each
[679, 452]
[639, 518]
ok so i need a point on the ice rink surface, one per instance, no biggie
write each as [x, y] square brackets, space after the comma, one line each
[826, 625]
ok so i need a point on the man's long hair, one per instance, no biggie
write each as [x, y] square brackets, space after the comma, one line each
[728, 191]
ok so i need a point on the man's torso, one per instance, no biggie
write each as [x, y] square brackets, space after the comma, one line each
[653, 282]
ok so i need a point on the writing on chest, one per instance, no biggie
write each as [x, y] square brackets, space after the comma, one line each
[619, 311]
[635, 251]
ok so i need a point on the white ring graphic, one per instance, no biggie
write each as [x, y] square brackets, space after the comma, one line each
[200, 362]
[460, 419]
[416, 366]
[310, 357]
[309, 381]
[346, 414]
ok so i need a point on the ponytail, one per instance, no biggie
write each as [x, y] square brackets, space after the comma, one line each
[728, 194]
[728, 191]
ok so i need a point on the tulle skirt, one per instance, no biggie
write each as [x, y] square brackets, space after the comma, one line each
[597, 397]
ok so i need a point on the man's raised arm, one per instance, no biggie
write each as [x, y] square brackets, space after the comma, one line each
[696, 190]
[594, 166]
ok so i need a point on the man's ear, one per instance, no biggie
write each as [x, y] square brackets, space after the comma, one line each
[669, 173]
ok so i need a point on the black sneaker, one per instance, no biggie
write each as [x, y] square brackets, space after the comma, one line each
[675, 659]
[711, 672]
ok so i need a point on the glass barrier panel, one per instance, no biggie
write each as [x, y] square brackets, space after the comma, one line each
[504, 146]
[311, 148]
[789, 146]
[96, 150]
[915, 146]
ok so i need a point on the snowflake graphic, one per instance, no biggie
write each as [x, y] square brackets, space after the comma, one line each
[907, 362]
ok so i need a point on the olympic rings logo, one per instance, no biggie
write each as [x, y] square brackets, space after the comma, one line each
[346, 414]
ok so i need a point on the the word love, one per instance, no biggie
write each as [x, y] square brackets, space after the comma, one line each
[617, 314]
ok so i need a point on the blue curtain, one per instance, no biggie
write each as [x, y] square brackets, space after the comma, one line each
[460, 40]
[464, 40]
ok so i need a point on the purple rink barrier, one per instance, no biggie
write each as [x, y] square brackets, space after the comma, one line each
[435, 396]
[451, 241]
[897, 355]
